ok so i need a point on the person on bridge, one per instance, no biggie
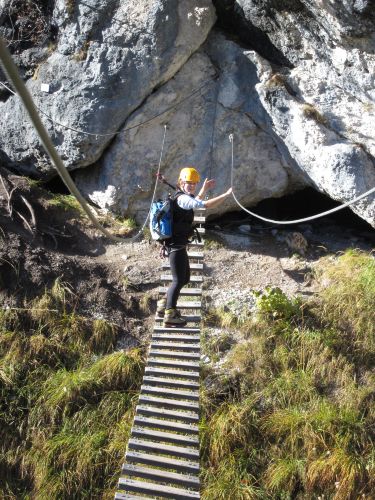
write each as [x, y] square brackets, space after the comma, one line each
[183, 215]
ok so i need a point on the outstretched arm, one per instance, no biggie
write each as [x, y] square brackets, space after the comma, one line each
[214, 202]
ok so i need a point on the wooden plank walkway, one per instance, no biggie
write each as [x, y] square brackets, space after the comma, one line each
[162, 456]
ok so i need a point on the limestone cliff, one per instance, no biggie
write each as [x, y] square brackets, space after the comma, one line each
[293, 80]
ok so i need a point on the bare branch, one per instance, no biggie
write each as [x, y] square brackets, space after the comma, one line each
[25, 222]
[31, 210]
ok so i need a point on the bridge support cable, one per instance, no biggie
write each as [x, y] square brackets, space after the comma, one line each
[162, 456]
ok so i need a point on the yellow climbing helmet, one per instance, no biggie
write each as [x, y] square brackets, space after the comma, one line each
[189, 174]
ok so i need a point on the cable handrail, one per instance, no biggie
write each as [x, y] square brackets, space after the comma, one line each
[119, 132]
[296, 221]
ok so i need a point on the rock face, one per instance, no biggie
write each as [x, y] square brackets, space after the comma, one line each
[322, 100]
[197, 134]
[295, 85]
[109, 57]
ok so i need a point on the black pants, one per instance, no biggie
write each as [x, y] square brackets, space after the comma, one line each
[180, 269]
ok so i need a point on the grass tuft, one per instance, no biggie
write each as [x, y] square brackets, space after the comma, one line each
[290, 411]
[66, 400]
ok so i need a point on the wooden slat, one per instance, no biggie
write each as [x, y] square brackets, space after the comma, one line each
[164, 353]
[193, 267]
[196, 255]
[168, 403]
[175, 337]
[190, 318]
[186, 466]
[179, 394]
[200, 218]
[167, 425]
[157, 490]
[178, 346]
[170, 372]
[166, 437]
[180, 329]
[189, 304]
[193, 279]
[184, 291]
[189, 481]
[154, 411]
[163, 449]
[168, 363]
[128, 496]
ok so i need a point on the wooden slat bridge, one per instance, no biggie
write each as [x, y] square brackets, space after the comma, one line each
[162, 457]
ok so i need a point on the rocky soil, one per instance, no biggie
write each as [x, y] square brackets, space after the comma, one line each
[40, 242]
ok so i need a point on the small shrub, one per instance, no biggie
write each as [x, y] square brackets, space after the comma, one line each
[274, 303]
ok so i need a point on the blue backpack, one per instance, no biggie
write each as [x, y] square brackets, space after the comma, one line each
[161, 219]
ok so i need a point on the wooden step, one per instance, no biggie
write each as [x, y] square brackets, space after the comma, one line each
[142, 445]
[178, 337]
[189, 481]
[168, 403]
[166, 425]
[169, 393]
[193, 267]
[153, 411]
[128, 496]
[164, 437]
[196, 255]
[193, 279]
[168, 363]
[170, 382]
[189, 304]
[186, 466]
[190, 318]
[157, 490]
[180, 329]
[190, 292]
[178, 346]
[200, 219]
[170, 372]
[164, 353]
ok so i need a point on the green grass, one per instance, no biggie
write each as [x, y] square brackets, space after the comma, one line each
[291, 412]
[66, 400]
[66, 202]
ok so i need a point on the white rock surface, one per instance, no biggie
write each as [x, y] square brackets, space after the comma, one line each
[197, 134]
[110, 56]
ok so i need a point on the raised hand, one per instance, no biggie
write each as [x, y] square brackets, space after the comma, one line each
[208, 184]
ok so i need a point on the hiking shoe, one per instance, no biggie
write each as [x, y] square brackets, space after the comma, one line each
[160, 307]
[172, 317]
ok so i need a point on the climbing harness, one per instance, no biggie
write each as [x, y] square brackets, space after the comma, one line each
[296, 221]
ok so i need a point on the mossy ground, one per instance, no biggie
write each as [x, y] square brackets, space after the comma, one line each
[291, 412]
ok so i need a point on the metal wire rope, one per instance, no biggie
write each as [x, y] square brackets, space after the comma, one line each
[296, 221]
[12, 74]
[113, 134]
